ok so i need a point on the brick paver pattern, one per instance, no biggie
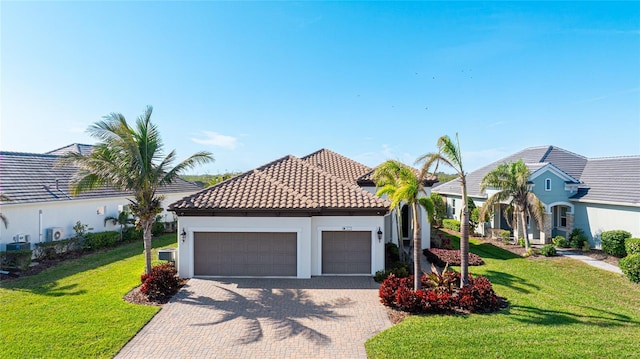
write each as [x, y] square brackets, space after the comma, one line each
[321, 317]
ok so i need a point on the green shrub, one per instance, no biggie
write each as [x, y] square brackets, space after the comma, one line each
[586, 246]
[157, 229]
[630, 266]
[16, 259]
[132, 234]
[613, 242]
[56, 249]
[548, 250]
[393, 254]
[505, 236]
[521, 242]
[93, 241]
[577, 238]
[439, 210]
[632, 246]
[452, 224]
[560, 242]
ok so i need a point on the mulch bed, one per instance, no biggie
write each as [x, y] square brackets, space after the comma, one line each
[135, 296]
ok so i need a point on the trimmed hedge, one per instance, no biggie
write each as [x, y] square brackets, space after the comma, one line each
[93, 241]
[452, 224]
[632, 246]
[16, 259]
[630, 266]
[613, 242]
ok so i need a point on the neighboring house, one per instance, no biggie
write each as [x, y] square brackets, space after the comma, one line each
[41, 207]
[293, 217]
[593, 194]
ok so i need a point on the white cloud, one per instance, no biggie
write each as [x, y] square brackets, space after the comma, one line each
[217, 140]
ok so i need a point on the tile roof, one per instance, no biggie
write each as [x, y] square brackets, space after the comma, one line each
[74, 147]
[611, 180]
[322, 181]
[33, 178]
[604, 179]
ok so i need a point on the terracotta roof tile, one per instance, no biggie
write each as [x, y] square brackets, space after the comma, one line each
[322, 180]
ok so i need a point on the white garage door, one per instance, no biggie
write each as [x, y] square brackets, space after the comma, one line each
[346, 252]
[245, 254]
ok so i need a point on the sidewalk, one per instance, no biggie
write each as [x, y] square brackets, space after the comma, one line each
[590, 261]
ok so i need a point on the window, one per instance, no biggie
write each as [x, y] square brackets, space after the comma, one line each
[453, 208]
[563, 216]
[547, 184]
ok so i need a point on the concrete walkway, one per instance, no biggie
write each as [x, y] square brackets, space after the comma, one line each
[590, 261]
[321, 317]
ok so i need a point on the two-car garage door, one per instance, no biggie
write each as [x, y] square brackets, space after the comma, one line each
[245, 254]
[275, 254]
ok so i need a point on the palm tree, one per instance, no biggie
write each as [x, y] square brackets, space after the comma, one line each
[401, 185]
[387, 176]
[512, 181]
[122, 219]
[3, 219]
[450, 155]
[130, 159]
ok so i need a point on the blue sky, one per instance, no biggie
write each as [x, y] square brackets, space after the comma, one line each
[254, 81]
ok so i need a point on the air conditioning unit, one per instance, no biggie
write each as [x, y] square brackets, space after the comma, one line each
[168, 254]
[54, 234]
[21, 237]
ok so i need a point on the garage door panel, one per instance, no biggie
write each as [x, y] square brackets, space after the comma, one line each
[245, 254]
[346, 252]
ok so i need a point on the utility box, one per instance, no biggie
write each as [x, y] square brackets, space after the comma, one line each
[168, 254]
[18, 246]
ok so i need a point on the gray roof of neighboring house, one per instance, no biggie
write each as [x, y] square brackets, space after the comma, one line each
[321, 182]
[611, 180]
[32, 178]
[602, 179]
[74, 147]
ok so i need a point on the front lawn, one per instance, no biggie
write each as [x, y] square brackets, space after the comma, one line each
[559, 308]
[76, 310]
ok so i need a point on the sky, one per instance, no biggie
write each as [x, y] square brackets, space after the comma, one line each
[251, 82]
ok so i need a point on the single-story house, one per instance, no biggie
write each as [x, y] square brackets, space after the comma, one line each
[293, 217]
[40, 207]
[593, 194]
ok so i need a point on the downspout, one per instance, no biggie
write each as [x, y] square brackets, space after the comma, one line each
[40, 225]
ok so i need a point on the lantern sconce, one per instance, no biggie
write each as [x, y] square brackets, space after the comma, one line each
[379, 235]
[183, 235]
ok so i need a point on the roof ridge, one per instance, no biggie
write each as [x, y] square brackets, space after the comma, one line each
[30, 154]
[284, 187]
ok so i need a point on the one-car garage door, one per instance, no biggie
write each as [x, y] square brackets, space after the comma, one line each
[245, 254]
[346, 252]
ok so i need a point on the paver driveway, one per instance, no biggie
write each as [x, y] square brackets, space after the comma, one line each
[321, 317]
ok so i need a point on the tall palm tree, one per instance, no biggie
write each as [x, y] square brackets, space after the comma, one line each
[388, 176]
[407, 188]
[512, 181]
[450, 155]
[3, 219]
[130, 159]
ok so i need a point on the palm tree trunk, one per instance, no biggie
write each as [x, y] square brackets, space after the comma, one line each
[403, 258]
[464, 236]
[523, 224]
[146, 228]
[417, 249]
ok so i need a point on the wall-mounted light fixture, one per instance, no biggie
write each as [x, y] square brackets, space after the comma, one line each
[183, 235]
[379, 234]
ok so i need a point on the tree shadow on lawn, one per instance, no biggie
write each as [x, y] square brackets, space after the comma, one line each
[509, 280]
[282, 309]
[47, 282]
[539, 316]
[488, 250]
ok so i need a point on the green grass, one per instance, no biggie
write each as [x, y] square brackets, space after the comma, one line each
[75, 309]
[559, 308]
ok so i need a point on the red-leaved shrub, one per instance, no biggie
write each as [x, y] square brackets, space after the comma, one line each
[478, 296]
[161, 283]
[437, 295]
